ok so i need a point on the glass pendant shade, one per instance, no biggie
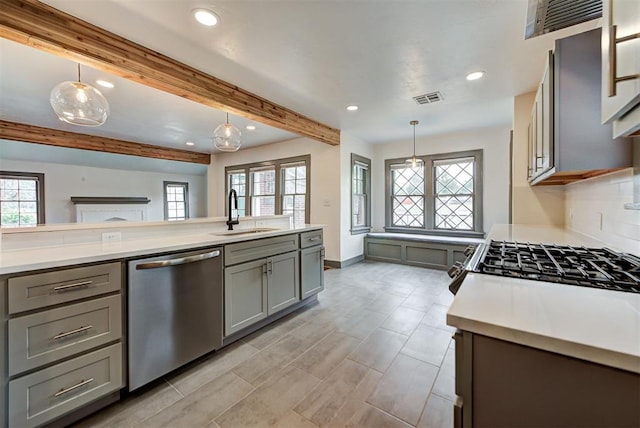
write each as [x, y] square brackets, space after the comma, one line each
[79, 104]
[413, 161]
[226, 137]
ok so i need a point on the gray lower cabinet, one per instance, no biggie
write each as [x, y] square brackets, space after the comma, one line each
[257, 289]
[42, 396]
[245, 295]
[311, 270]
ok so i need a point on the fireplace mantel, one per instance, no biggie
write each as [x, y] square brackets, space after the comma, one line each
[109, 200]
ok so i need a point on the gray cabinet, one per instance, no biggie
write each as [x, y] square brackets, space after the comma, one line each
[621, 97]
[567, 141]
[245, 295]
[64, 349]
[261, 277]
[311, 270]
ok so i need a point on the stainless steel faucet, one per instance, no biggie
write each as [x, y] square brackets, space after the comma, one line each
[230, 222]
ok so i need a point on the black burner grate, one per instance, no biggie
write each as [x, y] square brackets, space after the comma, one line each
[589, 267]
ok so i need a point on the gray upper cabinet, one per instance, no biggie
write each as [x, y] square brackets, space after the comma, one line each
[568, 142]
[620, 59]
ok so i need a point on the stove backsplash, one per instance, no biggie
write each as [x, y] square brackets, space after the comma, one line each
[595, 207]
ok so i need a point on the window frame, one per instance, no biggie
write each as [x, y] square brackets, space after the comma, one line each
[185, 186]
[355, 159]
[278, 165]
[40, 194]
[430, 195]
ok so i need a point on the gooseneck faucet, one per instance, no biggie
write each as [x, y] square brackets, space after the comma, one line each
[230, 222]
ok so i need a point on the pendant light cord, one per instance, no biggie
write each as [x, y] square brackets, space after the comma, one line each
[79, 73]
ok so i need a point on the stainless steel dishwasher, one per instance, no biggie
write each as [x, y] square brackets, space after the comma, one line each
[174, 312]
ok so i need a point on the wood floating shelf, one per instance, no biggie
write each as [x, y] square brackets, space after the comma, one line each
[55, 137]
[43, 27]
[562, 178]
[111, 200]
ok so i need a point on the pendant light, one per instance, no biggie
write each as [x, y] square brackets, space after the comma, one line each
[413, 161]
[79, 104]
[226, 137]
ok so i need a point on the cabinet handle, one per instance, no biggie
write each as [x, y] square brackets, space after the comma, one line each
[69, 333]
[70, 286]
[613, 63]
[178, 261]
[315, 238]
[270, 267]
[71, 388]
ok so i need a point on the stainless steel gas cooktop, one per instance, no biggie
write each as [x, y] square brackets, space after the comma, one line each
[589, 267]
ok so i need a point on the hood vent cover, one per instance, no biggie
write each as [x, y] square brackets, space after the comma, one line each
[429, 98]
[545, 16]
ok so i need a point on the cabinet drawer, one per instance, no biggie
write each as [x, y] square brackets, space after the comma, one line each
[309, 239]
[259, 248]
[44, 395]
[51, 288]
[44, 337]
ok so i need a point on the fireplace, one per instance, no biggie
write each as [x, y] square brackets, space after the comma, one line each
[98, 209]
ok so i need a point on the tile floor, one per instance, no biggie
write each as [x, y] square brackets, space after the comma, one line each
[375, 352]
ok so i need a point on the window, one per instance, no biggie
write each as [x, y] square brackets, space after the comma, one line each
[21, 199]
[238, 180]
[294, 194]
[273, 187]
[443, 195]
[176, 200]
[360, 191]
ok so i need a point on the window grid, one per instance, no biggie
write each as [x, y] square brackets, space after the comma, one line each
[238, 181]
[294, 178]
[454, 195]
[263, 191]
[176, 201]
[19, 200]
[407, 196]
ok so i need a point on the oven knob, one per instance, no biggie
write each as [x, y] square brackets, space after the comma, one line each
[469, 250]
[455, 269]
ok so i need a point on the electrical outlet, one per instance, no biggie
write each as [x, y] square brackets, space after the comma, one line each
[111, 236]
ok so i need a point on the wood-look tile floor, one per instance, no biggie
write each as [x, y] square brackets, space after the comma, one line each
[375, 352]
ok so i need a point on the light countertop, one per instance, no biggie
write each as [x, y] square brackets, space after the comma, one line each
[596, 325]
[44, 257]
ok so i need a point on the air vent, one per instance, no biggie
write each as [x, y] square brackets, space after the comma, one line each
[429, 98]
[545, 16]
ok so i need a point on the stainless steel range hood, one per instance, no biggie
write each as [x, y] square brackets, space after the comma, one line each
[545, 16]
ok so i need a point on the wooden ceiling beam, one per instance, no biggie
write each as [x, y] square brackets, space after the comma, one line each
[55, 137]
[43, 27]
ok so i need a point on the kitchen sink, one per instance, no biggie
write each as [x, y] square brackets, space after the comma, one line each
[246, 231]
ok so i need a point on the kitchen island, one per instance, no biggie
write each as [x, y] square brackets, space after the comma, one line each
[534, 353]
[70, 316]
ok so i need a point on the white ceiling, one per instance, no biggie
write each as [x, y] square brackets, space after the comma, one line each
[312, 56]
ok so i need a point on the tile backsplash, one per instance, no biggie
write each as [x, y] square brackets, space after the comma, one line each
[595, 207]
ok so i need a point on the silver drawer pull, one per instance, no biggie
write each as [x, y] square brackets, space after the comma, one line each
[315, 238]
[70, 286]
[178, 261]
[71, 388]
[69, 333]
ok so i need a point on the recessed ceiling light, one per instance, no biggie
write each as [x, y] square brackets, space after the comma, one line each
[250, 128]
[104, 83]
[206, 17]
[190, 143]
[475, 75]
[352, 107]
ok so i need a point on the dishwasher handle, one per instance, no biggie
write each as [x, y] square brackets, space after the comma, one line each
[178, 261]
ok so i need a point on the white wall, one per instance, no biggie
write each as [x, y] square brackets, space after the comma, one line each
[494, 142]
[63, 181]
[325, 182]
[531, 204]
[350, 245]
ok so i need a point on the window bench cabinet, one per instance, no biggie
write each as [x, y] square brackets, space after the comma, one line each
[261, 277]
[63, 348]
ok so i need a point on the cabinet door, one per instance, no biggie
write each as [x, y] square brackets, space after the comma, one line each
[245, 295]
[539, 132]
[312, 270]
[283, 273]
[546, 90]
[625, 16]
